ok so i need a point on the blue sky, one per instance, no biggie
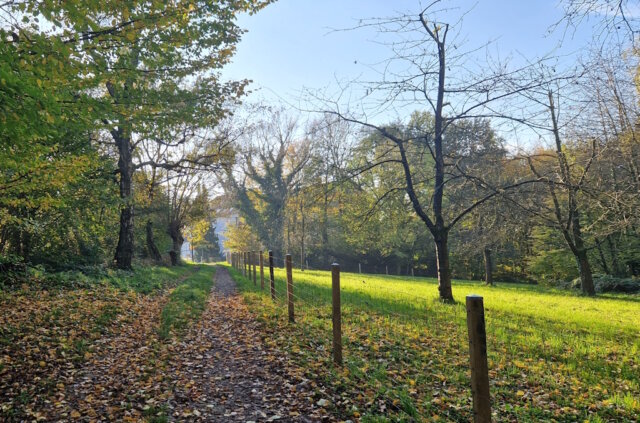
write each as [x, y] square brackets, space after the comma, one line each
[290, 45]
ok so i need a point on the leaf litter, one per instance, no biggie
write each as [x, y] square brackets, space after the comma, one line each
[95, 355]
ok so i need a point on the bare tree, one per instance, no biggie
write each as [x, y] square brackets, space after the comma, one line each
[614, 19]
[429, 68]
[565, 183]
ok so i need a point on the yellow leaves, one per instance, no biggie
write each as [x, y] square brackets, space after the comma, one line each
[42, 364]
[519, 364]
[75, 414]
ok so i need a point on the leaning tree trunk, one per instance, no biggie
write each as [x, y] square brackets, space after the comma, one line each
[488, 266]
[444, 271]
[152, 248]
[124, 249]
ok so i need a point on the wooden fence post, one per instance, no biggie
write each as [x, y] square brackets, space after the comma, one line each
[289, 288]
[261, 270]
[253, 260]
[336, 317]
[360, 268]
[478, 355]
[244, 263]
[272, 281]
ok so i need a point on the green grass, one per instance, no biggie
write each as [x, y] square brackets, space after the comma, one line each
[146, 280]
[187, 301]
[143, 279]
[553, 355]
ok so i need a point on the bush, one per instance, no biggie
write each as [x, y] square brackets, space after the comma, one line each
[12, 270]
[608, 283]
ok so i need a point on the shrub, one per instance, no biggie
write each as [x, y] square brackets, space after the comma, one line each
[609, 283]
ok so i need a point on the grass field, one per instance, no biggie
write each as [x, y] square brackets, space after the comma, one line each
[553, 355]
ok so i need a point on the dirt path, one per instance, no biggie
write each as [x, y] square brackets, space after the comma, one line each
[226, 374]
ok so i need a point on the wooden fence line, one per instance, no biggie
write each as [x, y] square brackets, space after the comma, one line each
[475, 322]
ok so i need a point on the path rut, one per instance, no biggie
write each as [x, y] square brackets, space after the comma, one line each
[227, 374]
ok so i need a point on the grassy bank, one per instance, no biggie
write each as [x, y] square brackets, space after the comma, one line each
[553, 356]
[143, 279]
[49, 332]
[187, 302]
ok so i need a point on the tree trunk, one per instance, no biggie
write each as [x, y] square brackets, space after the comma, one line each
[324, 234]
[152, 248]
[25, 245]
[488, 266]
[603, 260]
[277, 239]
[302, 228]
[124, 249]
[613, 250]
[586, 277]
[444, 271]
[175, 232]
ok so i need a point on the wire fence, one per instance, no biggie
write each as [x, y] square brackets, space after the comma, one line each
[386, 301]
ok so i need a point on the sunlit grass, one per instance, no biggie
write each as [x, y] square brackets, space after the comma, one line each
[553, 355]
[187, 301]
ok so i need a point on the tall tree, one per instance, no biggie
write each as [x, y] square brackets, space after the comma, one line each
[430, 68]
[565, 171]
[189, 207]
[51, 170]
[153, 67]
[271, 158]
